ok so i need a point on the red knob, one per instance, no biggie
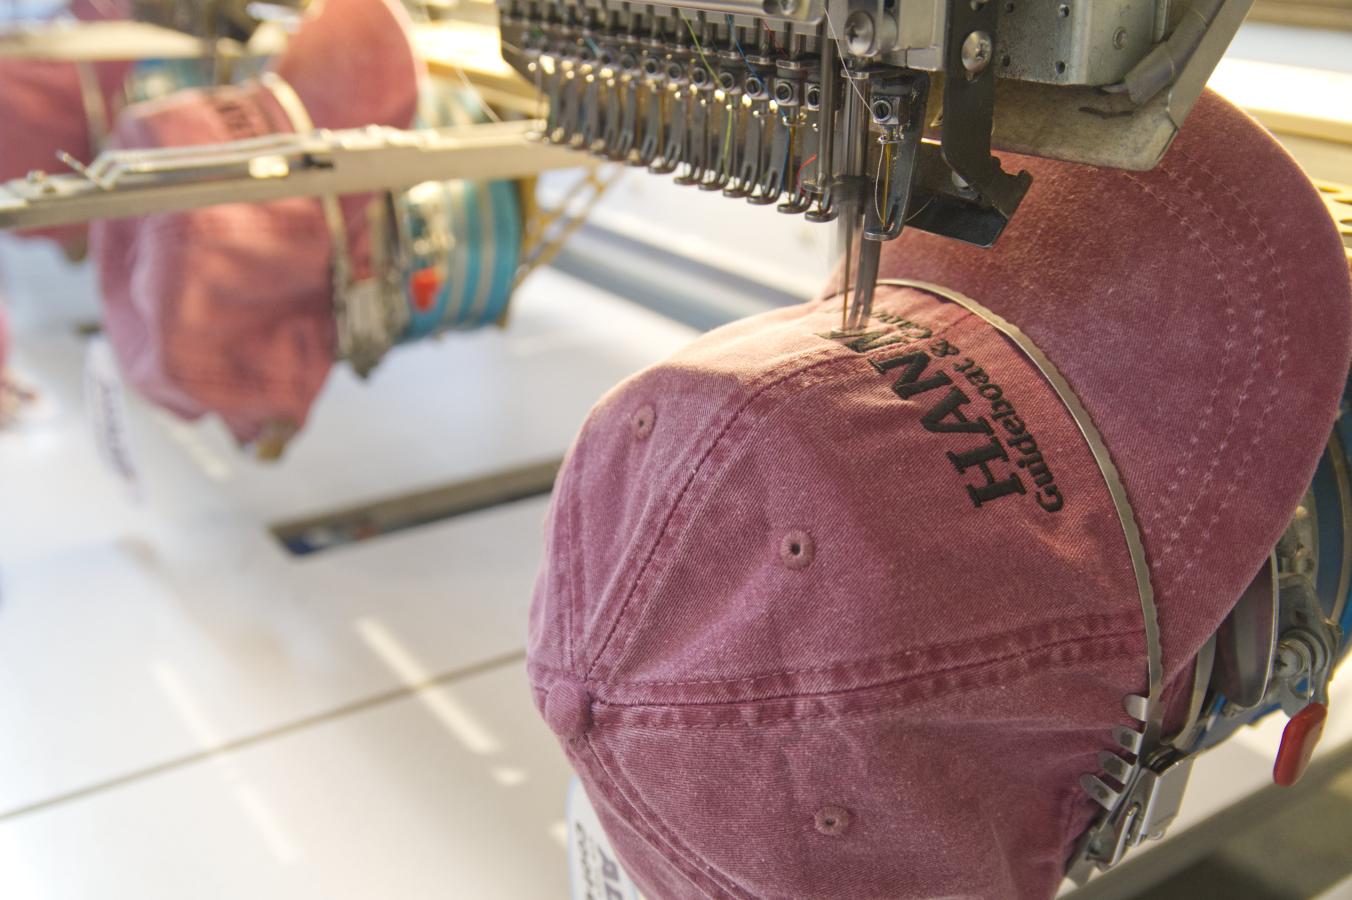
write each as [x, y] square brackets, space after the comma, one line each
[1298, 740]
[425, 283]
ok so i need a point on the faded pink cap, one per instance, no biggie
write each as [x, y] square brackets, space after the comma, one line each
[229, 309]
[849, 616]
[52, 106]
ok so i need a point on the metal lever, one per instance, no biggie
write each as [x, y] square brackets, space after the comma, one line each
[805, 147]
[696, 152]
[678, 122]
[897, 103]
[655, 97]
[752, 163]
[969, 108]
[570, 100]
[553, 80]
[724, 130]
[787, 91]
[852, 189]
[592, 113]
[622, 130]
[827, 100]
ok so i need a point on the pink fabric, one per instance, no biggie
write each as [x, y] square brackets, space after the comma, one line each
[228, 309]
[353, 64]
[43, 111]
[942, 656]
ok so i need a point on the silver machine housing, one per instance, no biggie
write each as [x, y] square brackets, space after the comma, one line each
[876, 114]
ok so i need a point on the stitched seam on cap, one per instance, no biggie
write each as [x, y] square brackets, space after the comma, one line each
[1242, 395]
[1283, 338]
[755, 387]
[1111, 646]
[1210, 407]
[650, 827]
[1107, 619]
[1182, 520]
[568, 521]
[835, 356]
[832, 358]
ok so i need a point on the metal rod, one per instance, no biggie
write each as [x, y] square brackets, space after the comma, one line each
[827, 116]
[851, 187]
[341, 162]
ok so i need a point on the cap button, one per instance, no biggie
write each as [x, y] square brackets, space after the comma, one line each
[568, 709]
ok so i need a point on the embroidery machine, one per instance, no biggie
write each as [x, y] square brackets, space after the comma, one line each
[874, 116]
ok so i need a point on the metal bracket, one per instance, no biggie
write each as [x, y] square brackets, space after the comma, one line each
[122, 183]
[897, 104]
[1141, 809]
[969, 107]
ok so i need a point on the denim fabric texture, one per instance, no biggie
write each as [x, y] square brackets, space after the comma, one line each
[229, 309]
[799, 631]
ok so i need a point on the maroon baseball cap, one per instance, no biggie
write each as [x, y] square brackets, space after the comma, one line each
[229, 309]
[48, 107]
[834, 614]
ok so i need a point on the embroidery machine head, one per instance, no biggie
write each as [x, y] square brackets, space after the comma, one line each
[875, 114]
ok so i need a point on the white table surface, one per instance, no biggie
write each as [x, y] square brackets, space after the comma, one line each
[189, 711]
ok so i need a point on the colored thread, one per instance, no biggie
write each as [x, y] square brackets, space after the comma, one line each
[732, 31]
[798, 182]
[921, 209]
[699, 48]
[879, 185]
[773, 43]
[477, 97]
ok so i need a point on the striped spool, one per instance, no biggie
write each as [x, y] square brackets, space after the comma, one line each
[460, 241]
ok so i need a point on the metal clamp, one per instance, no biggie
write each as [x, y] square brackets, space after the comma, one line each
[1141, 809]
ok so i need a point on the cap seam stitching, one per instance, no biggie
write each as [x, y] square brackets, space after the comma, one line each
[757, 387]
[1282, 355]
[1107, 619]
[568, 521]
[1197, 238]
[733, 418]
[1175, 531]
[989, 665]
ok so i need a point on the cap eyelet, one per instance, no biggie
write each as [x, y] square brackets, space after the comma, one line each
[832, 820]
[644, 420]
[797, 549]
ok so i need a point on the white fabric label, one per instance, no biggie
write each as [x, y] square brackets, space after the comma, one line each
[593, 867]
[106, 401]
